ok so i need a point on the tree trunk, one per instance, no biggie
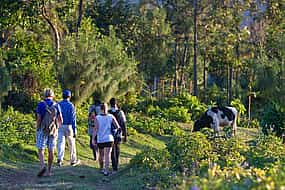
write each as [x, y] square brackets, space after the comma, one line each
[80, 15]
[185, 52]
[54, 29]
[204, 73]
[195, 50]
[176, 70]
[230, 78]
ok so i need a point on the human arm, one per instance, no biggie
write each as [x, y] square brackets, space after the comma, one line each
[39, 120]
[73, 112]
[59, 118]
[95, 129]
[124, 125]
[115, 122]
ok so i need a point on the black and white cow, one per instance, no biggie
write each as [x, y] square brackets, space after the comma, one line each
[218, 116]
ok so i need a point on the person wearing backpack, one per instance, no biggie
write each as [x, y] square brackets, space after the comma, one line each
[49, 118]
[105, 139]
[121, 118]
[93, 111]
[67, 130]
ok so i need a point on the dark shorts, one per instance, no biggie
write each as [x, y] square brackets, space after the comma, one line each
[105, 145]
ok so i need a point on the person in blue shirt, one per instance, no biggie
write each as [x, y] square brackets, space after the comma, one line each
[67, 129]
[44, 140]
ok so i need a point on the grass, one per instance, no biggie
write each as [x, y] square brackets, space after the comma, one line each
[19, 166]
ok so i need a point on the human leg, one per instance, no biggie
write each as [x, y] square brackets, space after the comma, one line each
[94, 149]
[107, 155]
[101, 158]
[51, 147]
[115, 155]
[60, 145]
[50, 160]
[72, 149]
[71, 145]
[42, 162]
[41, 143]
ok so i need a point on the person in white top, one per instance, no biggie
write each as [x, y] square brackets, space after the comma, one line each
[105, 139]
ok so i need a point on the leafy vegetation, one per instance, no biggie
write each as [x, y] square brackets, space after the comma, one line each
[166, 62]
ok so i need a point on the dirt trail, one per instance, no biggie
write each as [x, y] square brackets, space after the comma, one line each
[79, 177]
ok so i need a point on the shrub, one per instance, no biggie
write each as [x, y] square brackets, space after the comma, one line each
[16, 127]
[154, 125]
[188, 150]
[152, 159]
[273, 119]
[268, 151]
[230, 152]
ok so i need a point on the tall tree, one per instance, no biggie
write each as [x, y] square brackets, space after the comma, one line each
[93, 62]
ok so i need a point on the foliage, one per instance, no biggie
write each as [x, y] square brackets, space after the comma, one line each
[17, 130]
[273, 119]
[188, 150]
[268, 151]
[99, 61]
[153, 125]
[253, 123]
[152, 159]
[179, 114]
[5, 80]
[184, 107]
[216, 95]
[229, 152]
[238, 178]
[239, 106]
[16, 127]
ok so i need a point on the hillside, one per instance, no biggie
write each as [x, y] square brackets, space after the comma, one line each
[20, 172]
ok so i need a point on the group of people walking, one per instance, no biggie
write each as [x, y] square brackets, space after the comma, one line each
[56, 122]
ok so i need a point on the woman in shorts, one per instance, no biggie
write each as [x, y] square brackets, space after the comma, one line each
[105, 139]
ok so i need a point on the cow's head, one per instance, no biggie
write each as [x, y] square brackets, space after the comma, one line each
[204, 121]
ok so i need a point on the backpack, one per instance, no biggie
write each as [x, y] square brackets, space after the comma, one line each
[117, 133]
[92, 112]
[48, 123]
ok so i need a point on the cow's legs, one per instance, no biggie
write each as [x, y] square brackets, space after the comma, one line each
[216, 125]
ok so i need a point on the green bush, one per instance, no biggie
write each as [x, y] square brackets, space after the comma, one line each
[152, 159]
[254, 123]
[16, 127]
[238, 178]
[154, 125]
[267, 151]
[273, 119]
[188, 150]
[17, 134]
[229, 152]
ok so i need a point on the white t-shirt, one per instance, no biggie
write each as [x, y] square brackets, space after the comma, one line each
[104, 129]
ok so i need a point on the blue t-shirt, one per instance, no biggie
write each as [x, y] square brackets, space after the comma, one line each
[68, 113]
[41, 108]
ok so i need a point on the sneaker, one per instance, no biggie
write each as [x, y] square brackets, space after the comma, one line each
[102, 171]
[75, 163]
[106, 173]
[42, 171]
[59, 163]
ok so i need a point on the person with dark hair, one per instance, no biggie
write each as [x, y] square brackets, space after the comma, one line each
[67, 130]
[49, 118]
[93, 111]
[105, 139]
[121, 118]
